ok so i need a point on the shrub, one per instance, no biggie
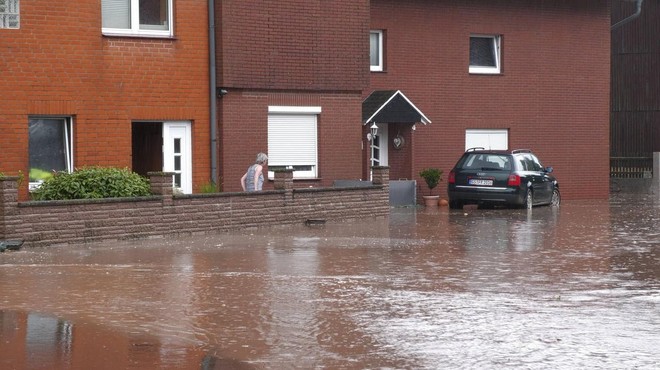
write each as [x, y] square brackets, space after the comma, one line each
[431, 176]
[91, 183]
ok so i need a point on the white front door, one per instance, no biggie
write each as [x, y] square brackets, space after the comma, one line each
[177, 154]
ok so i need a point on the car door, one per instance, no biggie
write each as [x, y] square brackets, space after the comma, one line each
[542, 182]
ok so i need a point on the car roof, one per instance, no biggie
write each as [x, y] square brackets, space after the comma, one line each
[480, 150]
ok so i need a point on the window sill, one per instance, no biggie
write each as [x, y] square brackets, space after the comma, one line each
[302, 179]
[138, 36]
[484, 72]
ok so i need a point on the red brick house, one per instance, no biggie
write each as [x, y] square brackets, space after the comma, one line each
[304, 81]
[445, 75]
[513, 74]
[90, 83]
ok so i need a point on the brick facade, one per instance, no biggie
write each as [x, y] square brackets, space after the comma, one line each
[59, 63]
[292, 53]
[552, 94]
[296, 45]
[77, 221]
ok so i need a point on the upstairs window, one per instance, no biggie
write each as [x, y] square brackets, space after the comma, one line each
[9, 14]
[485, 54]
[137, 17]
[376, 51]
[50, 147]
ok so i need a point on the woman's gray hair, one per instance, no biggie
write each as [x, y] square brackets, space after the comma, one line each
[262, 158]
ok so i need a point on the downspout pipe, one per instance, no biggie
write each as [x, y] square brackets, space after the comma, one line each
[630, 18]
[212, 95]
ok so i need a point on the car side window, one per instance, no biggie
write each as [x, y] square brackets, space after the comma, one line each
[522, 161]
[535, 163]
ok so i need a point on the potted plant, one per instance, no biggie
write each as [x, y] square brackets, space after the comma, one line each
[432, 177]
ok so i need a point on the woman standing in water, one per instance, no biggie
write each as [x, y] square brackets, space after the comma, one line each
[253, 180]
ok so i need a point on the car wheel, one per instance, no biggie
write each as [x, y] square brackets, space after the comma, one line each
[454, 204]
[556, 198]
[528, 202]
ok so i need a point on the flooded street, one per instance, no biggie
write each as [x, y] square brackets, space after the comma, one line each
[574, 287]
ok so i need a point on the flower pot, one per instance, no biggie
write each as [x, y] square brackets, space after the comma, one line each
[431, 200]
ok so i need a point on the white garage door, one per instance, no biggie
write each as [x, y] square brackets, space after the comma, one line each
[487, 139]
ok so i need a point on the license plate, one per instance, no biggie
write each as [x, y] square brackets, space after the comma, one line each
[480, 182]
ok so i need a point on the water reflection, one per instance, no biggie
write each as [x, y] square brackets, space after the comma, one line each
[517, 230]
[575, 287]
[38, 341]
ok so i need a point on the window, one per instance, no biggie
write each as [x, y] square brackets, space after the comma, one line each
[487, 139]
[50, 147]
[137, 17]
[376, 50]
[292, 140]
[485, 54]
[9, 14]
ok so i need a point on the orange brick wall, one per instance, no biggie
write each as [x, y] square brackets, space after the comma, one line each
[59, 63]
[552, 94]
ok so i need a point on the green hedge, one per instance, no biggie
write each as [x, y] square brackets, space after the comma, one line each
[92, 183]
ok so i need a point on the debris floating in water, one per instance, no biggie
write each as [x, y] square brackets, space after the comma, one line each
[13, 245]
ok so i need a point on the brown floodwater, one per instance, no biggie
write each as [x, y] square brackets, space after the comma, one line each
[574, 287]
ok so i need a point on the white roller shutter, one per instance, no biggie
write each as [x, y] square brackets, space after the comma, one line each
[494, 139]
[292, 141]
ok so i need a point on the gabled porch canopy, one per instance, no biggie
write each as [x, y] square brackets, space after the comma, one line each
[390, 106]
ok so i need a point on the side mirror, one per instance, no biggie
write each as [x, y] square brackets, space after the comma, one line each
[549, 169]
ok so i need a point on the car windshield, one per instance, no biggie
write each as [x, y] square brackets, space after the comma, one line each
[485, 162]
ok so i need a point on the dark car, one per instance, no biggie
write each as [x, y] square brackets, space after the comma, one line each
[501, 177]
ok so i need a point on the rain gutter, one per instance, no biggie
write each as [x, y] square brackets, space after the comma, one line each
[630, 18]
[212, 94]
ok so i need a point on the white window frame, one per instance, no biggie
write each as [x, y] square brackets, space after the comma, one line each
[478, 69]
[489, 139]
[68, 144]
[297, 137]
[135, 27]
[10, 14]
[380, 66]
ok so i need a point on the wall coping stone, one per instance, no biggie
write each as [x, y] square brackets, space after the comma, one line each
[327, 190]
[228, 194]
[71, 202]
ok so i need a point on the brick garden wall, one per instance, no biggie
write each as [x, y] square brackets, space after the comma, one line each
[79, 221]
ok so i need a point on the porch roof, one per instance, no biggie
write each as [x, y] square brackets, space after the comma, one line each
[390, 106]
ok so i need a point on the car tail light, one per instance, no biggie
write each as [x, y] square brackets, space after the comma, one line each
[514, 180]
[452, 177]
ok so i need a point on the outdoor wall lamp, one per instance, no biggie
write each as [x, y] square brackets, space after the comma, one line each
[374, 131]
[221, 92]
